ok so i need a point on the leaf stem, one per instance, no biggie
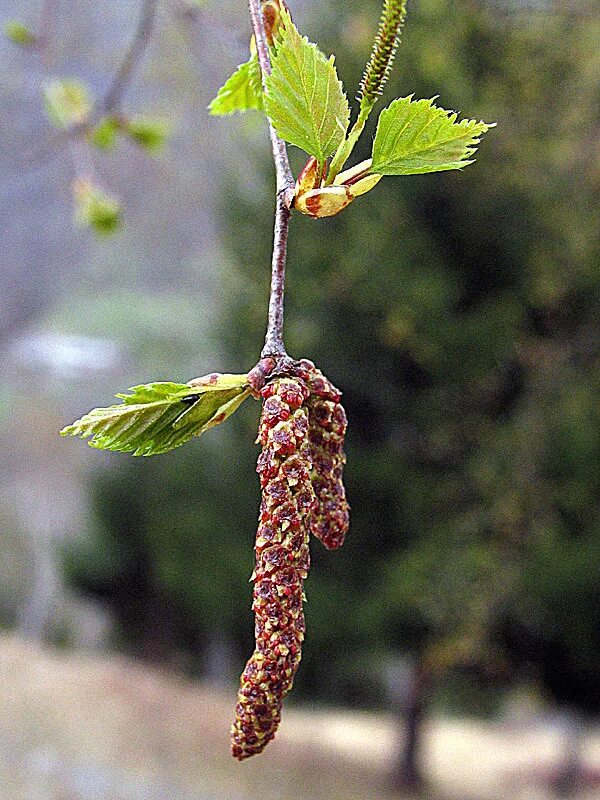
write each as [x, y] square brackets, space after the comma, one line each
[285, 194]
[344, 151]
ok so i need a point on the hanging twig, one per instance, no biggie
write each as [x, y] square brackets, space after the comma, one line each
[46, 29]
[133, 57]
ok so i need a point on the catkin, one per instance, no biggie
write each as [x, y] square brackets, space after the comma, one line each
[382, 56]
[327, 428]
[282, 562]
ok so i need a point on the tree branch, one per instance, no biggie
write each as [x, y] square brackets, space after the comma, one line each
[46, 29]
[133, 56]
[285, 194]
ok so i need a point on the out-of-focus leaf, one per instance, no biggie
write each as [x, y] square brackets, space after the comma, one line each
[104, 134]
[96, 209]
[19, 33]
[68, 102]
[150, 133]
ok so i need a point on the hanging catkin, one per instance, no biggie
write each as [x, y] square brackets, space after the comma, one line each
[327, 428]
[282, 562]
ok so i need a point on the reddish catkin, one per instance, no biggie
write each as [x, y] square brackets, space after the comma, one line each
[282, 562]
[327, 428]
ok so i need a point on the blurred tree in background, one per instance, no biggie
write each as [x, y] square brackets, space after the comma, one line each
[461, 321]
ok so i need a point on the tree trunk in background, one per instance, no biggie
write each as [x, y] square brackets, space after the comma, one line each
[411, 700]
[569, 773]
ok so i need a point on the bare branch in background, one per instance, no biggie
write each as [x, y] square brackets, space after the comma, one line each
[135, 53]
[46, 28]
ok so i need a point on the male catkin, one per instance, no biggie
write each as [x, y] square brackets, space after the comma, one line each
[282, 562]
[378, 69]
[326, 431]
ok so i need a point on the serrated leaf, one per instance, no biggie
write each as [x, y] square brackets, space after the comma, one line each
[154, 392]
[304, 98]
[68, 102]
[241, 92]
[415, 136]
[205, 408]
[158, 417]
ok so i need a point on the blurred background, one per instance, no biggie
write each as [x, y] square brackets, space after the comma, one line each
[453, 643]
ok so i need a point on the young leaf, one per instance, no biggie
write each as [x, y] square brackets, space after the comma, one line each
[18, 33]
[96, 208]
[241, 92]
[104, 134]
[414, 137]
[68, 102]
[218, 381]
[210, 409]
[305, 99]
[150, 133]
[157, 417]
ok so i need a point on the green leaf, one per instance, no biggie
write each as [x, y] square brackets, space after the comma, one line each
[241, 92]
[19, 33]
[68, 102]
[305, 99]
[157, 417]
[150, 133]
[104, 134]
[207, 411]
[96, 209]
[414, 137]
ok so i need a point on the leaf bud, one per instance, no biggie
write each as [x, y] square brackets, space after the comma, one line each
[316, 200]
[271, 10]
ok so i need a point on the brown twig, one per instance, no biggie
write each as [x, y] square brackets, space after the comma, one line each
[285, 194]
[274, 345]
[133, 56]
